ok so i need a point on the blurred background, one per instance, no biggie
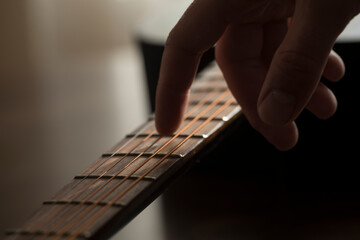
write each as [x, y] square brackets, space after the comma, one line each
[72, 84]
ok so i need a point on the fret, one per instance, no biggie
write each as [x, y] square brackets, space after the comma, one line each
[44, 217]
[125, 166]
[195, 102]
[108, 214]
[63, 202]
[111, 176]
[32, 231]
[143, 135]
[102, 190]
[152, 118]
[129, 175]
[23, 234]
[225, 114]
[196, 97]
[202, 133]
[144, 154]
[155, 145]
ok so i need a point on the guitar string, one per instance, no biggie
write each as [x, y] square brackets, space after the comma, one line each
[61, 207]
[104, 161]
[198, 105]
[96, 167]
[194, 108]
[82, 214]
[98, 201]
[101, 211]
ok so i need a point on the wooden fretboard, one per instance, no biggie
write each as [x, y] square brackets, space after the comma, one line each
[127, 177]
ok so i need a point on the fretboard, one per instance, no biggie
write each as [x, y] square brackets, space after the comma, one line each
[127, 177]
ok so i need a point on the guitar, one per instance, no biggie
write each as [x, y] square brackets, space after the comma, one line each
[129, 176]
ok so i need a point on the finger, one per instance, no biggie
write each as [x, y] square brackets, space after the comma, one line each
[239, 55]
[300, 60]
[334, 68]
[283, 137]
[274, 33]
[173, 89]
[199, 28]
[323, 102]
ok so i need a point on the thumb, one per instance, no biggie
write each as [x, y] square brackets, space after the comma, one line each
[299, 62]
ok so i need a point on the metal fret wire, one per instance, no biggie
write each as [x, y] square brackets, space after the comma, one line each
[42, 223]
[102, 210]
[50, 217]
[199, 103]
[83, 202]
[197, 106]
[65, 228]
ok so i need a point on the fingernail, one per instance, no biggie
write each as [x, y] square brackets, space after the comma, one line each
[277, 108]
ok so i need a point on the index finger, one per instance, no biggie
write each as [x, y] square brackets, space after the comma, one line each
[198, 30]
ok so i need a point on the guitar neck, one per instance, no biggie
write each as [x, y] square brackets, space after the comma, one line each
[130, 175]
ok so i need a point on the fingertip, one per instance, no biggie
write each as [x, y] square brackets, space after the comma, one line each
[335, 68]
[323, 103]
[285, 138]
[165, 126]
[169, 111]
[160, 126]
[277, 108]
[289, 141]
[330, 109]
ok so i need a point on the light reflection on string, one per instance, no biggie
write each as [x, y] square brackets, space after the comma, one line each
[68, 226]
[198, 105]
[102, 210]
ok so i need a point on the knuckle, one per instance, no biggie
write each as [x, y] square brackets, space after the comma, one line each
[295, 64]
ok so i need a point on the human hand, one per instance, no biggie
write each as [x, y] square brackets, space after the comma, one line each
[273, 68]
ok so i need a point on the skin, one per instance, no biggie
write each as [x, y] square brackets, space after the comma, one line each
[272, 64]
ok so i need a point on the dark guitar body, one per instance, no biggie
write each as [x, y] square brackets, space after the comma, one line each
[243, 188]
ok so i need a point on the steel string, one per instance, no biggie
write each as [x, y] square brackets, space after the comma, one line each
[108, 205]
[70, 224]
[198, 105]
